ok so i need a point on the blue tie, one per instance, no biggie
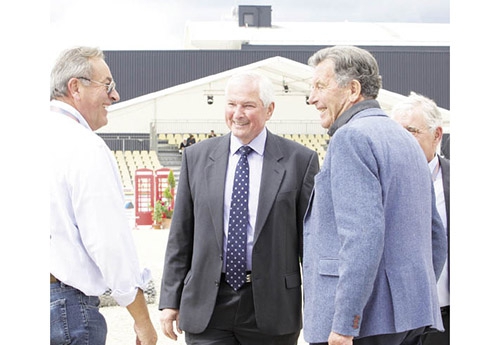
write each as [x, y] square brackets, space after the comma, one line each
[238, 219]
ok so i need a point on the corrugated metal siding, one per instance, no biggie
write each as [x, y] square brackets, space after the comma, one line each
[425, 70]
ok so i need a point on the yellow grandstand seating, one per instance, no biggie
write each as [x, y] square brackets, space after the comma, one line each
[129, 161]
[317, 142]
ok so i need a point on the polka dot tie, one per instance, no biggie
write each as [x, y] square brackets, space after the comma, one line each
[238, 219]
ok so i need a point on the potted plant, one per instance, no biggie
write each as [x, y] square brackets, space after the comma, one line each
[159, 213]
[164, 207]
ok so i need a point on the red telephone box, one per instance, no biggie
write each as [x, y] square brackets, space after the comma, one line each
[144, 196]
[161, 182]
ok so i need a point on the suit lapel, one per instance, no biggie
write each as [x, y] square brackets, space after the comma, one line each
[272, 175]
[445, 170]
[215, 176]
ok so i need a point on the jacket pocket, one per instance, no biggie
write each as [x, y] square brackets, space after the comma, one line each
[188, 277]
[292, 280]
[329, 267]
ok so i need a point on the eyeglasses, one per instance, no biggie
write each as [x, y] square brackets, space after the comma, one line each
[109, 87]
[413, 130]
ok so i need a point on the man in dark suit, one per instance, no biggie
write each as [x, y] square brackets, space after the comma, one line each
[266, 309]
[420, 116]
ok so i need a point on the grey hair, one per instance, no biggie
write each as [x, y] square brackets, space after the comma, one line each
[72, 63]
[352, 63]
[416, 103]
[266, 88]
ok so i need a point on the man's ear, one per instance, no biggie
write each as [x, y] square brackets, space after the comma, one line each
[74, 88]
[270, 110]
[438, 134]
[355, 91]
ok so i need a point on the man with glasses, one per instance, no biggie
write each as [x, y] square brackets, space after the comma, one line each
[91, 243]
[421, 117]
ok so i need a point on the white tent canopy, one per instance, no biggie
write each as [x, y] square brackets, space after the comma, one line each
[184, 108]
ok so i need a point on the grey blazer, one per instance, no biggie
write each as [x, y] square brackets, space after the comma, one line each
[374, 243]
[193, 260]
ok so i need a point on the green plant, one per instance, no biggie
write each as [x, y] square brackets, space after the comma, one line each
[164, 207]
[159, 211]
[171, 179]
[168, 194]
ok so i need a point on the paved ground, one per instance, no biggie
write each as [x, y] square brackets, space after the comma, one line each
[151, 246]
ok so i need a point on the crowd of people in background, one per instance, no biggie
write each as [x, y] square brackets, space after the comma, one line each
[191, 140]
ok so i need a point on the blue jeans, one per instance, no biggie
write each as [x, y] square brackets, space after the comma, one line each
[75, 318]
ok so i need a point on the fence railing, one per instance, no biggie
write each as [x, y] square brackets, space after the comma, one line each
[219, 126]
[149, 141]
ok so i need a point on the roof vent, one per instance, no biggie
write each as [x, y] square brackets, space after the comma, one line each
[254, 16]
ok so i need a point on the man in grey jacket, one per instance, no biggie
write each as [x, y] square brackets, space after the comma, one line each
[197, 293]
[374, 244]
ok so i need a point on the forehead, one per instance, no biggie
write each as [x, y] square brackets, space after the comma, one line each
[410, 117]
[243, 91]
[324, 71]
[100, 68]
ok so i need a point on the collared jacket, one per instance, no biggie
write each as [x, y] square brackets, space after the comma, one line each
[194, 255]
[374, 244]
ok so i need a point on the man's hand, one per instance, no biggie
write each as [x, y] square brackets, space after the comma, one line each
[145, 333]
[339, 339]
[144, 329]
[167, 318]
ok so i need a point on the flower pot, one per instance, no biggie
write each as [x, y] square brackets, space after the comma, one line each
[156, 226]
[165, 224]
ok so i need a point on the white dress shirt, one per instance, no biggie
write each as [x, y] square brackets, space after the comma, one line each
[443, 283]
[91, 243]
[255, 161]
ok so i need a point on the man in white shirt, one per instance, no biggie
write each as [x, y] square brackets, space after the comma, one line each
[91, 244]
[420, 116]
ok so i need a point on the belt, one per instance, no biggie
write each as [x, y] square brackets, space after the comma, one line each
[248, 277]
[53, 279]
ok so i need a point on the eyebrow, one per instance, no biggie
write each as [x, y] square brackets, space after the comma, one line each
[108, 79]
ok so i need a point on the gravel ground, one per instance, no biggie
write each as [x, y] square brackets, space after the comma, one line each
[151, 246]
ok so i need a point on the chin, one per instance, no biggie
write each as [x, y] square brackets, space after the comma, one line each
[326, 125]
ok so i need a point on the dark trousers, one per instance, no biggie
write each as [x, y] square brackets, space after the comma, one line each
[412, 337]
[233, 322]
[440, 338]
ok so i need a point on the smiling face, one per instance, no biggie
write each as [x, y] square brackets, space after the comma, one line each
[93, 99]
[245, 112]
[326, 94]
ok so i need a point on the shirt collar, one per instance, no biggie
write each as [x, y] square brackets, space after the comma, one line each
[258, 144]
[65, 108]
[433, 163]
[347, 115]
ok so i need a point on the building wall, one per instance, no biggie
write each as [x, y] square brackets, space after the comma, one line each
[188, 111]
[425, 70]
